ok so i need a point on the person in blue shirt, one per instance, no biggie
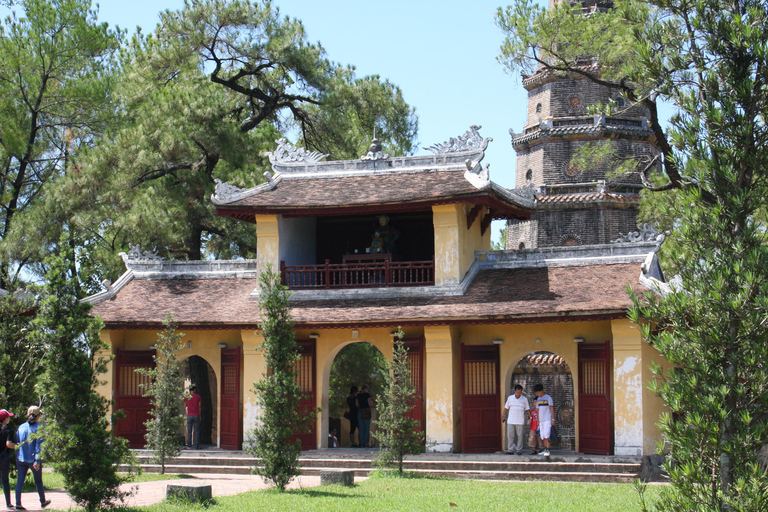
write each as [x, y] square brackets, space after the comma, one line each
[28, 456]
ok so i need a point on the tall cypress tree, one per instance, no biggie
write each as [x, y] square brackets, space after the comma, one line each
[277, 393]
[398, 433]
[166, 392]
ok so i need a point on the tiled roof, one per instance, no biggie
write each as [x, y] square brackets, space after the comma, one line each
[590, 197]
[364, 189]
[602, 130]
[495, 295]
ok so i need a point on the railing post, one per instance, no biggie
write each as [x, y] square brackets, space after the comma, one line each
[386, 272]
[282, 273]
[327, 273]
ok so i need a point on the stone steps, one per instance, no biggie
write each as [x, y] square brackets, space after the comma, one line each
[565, 468]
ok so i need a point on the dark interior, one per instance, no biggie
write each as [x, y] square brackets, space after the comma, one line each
[341, 235]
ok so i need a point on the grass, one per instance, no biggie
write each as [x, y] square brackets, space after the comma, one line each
[391, 493]
[54, 481]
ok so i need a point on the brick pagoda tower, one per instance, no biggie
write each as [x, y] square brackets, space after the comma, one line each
[576, 206]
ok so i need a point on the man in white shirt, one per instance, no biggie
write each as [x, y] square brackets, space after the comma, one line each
[516, 414]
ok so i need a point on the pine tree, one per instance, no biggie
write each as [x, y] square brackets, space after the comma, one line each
[709, 59]
[78, 438]
[166, 393]
[277, 393]
[398, 432]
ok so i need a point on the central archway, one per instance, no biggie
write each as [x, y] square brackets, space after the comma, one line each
[352, 363]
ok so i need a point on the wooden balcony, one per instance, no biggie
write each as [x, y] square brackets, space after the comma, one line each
[356, 272]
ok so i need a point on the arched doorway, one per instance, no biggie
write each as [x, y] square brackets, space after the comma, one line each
[553, 372]
[355, 364]
[196, 370]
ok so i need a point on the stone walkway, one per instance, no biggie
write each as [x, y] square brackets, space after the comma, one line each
[149, 493]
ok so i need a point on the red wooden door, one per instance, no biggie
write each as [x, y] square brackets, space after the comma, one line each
[305, 378]
[129, 395]
[415, 348]
[480, 399]
[595, 432]
[231, 432]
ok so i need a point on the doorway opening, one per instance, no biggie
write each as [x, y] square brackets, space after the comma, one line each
[554, 374]
[196, 370]
[356, 364]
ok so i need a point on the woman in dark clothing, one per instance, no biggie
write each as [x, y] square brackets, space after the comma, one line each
[352, 415]
[6, 452]
[364, 403]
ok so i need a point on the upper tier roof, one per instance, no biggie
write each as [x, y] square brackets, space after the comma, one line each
[304, 185]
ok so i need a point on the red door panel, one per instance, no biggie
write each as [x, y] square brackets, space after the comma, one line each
[480, 399]
[305, 378]
[595, 432]
[415, 348]
[231, 422]
[129, 395]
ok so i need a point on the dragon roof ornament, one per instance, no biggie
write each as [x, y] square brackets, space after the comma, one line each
[470, 141]
[287, 152]
[136, 254]
[647, 233]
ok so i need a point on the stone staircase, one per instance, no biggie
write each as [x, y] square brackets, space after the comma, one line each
[560, 466]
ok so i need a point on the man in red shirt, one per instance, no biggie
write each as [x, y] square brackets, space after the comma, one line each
[193, 416]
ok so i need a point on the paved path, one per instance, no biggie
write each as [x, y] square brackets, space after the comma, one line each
[148, 493]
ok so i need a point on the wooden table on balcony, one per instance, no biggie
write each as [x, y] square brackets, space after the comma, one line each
[366, 258]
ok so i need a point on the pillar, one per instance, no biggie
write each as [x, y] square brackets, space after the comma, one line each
[441, 379]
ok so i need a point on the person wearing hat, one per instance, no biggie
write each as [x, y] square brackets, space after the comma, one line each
[28, 456]
[6, 452]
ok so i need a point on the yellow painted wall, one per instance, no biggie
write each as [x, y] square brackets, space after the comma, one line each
[636, 409]
[440, 345]
[521, 339]
[455, 245]
[253, 368]
[199, 343]
[653, 406]
[267, 242]
[327, 346]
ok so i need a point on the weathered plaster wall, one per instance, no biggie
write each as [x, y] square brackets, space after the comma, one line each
[253, 368]
[198, 343]
[455, 245]
[447, 256]
[267, 242]
[442, 380]
[629, 388]
[521, 340]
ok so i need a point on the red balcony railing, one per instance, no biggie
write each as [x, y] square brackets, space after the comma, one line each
[358, 275]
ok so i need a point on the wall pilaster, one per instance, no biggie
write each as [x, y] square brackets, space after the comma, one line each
[440, 378]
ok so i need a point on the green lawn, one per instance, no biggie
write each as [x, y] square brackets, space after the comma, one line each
[408, 494]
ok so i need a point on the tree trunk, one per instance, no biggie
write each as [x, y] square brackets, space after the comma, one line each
[198, 374]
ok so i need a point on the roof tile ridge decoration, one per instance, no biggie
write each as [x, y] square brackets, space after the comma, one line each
[652, 276]
[287, 152]
[524, 196]
[582, 255]
[471, 140]
[226, 193]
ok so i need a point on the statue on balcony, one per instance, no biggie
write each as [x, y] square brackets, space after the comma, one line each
[384, 237]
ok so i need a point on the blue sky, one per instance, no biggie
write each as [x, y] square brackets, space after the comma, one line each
[441, 53]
